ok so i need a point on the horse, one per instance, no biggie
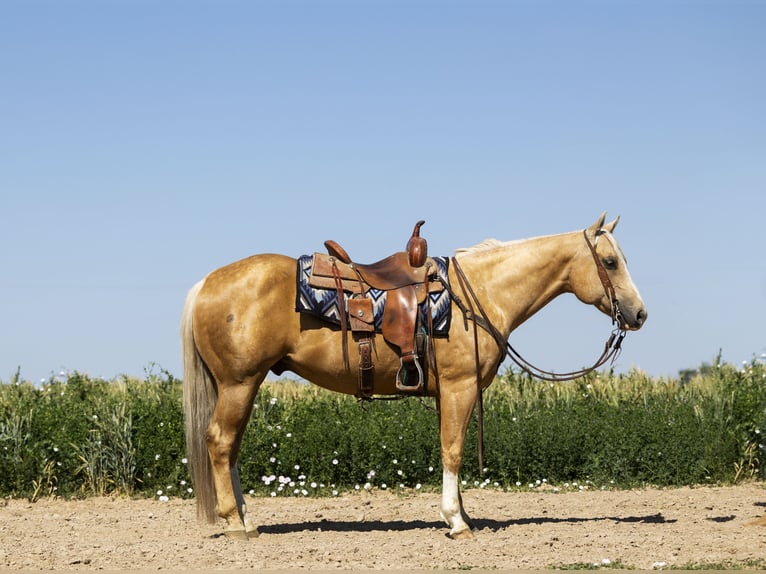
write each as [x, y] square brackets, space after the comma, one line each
[239, 323]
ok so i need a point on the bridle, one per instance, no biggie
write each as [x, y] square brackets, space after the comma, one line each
[612, 347]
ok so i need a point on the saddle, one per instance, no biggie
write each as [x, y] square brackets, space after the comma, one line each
[407, 277]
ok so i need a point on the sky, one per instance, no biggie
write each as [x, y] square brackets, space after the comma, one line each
[144, 144]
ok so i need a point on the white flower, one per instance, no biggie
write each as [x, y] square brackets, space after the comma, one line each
[164, 498]
[184, 460]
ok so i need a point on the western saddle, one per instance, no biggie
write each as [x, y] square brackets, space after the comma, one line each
[407, 277]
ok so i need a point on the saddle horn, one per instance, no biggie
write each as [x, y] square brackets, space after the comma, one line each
[417, 247]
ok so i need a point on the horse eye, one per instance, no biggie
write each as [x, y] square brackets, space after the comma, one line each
[610, 263]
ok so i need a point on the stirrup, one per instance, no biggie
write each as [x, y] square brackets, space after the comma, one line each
[409, 388]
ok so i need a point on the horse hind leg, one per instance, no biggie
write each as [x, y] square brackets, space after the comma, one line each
[224, 438]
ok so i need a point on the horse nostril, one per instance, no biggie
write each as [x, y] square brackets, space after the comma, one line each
[641, 316]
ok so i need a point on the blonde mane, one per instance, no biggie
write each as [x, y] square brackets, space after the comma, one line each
[484, 245]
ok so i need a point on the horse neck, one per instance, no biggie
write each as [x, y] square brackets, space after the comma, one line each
[514, 280]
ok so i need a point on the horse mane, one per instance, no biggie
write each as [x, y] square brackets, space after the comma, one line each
[483, 246]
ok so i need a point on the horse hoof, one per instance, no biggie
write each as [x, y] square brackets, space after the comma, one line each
[236, 535]
[461, 535]
[252, 533]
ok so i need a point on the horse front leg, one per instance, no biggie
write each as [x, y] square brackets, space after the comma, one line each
[454, 415]
[224, 438]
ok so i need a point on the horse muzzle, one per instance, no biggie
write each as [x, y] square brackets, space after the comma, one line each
[632, 320]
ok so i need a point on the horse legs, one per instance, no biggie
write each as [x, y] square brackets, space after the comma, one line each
[454, 416]
[224, 437]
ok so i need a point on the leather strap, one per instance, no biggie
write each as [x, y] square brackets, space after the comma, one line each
[341, 312]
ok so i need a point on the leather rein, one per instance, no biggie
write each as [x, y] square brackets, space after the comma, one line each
[612, 347]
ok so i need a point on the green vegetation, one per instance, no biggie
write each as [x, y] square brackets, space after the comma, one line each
[79, 436]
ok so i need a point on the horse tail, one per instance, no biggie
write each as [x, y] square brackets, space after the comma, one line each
[199, 400]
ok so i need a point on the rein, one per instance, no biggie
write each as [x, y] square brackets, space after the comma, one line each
[612, 347]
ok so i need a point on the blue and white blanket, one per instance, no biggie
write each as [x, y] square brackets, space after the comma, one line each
[323, 303]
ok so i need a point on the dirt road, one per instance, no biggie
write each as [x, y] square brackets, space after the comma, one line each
[644, 529]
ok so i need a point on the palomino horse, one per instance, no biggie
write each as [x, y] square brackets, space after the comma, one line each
[240, 322]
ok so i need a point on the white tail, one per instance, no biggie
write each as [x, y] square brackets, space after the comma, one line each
[200, 397]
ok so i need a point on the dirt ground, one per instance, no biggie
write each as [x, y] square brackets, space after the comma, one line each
[643, 529]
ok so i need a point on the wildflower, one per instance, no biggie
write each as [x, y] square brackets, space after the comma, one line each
[156, 457]
[273, 401]
[159, 493]
[163, 498]
[418, 486]
[251, 492]
[335, 461]
[184, 460]
[189, 490]
[183, 483]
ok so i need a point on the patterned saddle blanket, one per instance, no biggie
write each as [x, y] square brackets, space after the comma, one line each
[323, 303]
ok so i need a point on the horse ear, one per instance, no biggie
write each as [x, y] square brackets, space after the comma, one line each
[610, 226]
[599, 223]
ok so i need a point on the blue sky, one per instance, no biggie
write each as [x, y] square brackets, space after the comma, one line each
[143, 144]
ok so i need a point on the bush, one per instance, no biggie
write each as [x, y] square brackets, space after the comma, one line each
[80, 436]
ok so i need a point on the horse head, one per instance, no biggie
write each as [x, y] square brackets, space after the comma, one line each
[600, 277]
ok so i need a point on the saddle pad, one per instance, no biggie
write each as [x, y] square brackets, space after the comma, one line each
[323, 303]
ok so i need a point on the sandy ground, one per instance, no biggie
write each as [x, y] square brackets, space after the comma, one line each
[642, 529]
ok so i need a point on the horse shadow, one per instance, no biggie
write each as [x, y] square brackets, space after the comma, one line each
[491, 525]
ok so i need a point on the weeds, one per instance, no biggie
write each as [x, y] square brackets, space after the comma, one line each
[77, 436]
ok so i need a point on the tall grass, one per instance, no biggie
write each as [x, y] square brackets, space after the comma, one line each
[79, 436]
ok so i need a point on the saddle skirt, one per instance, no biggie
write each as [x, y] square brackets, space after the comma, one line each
[322, 302]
